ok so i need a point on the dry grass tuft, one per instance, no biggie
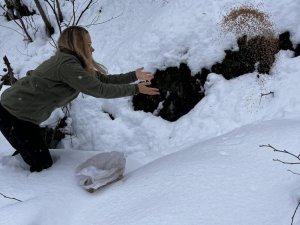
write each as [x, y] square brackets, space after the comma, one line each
[247, 20]
[256, 30]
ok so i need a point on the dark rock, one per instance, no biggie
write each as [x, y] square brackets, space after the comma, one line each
[202, 76]
[254, 54]
[285, 42]
[179, 93]
[297, 50]
[17, 9]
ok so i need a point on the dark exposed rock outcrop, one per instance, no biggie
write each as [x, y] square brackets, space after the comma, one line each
[181, 91]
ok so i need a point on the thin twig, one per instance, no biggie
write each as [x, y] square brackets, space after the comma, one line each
[54, 45]
[294, 172]
[293, 155]
[11, 17]
[10, 197]
[96, 18]
[295, 213]
[55, 14]
[83, 11]
[13, 30]
[262, 95]
[282, 151]
[112, 18]
[270, 93]
[290, 163]
[25, 29]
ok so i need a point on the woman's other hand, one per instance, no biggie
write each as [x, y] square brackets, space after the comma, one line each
[144, 89]
[142, 75]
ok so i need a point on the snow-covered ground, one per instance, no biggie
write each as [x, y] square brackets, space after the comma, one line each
[205, 168]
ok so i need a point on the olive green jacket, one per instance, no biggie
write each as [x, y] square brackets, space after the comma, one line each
[56, 82]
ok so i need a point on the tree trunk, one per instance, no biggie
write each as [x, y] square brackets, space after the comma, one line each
[49, 27]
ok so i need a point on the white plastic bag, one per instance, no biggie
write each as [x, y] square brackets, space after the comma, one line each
[100, 170]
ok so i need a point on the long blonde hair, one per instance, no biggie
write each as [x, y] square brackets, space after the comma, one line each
[74, 38]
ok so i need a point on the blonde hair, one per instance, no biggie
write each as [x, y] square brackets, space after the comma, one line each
[74, 38]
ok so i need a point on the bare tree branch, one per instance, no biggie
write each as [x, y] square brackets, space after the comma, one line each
[55, 14]
[83, 11]
[17, 5]
[54, 45]
[10, 15]
[294, 156]
[12, 29]
[294, 172]
[10, 197]
[60, 15]
[112, 18]
[73, 10]
[283, 151]
[11, 5]
[96, 18]
[290, 163]
[24, 29]
[295, 213]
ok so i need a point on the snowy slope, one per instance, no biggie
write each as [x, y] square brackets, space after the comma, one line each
[207, 167]
[225, 180]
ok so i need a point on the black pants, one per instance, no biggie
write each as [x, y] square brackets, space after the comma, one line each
[25, 137]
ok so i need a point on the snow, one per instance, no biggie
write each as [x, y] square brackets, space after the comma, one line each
[205, 168]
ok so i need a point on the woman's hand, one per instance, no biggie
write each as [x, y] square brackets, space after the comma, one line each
[142, 75]
[144, 89]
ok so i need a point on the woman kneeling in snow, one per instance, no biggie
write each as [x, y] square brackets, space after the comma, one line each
[53, 84]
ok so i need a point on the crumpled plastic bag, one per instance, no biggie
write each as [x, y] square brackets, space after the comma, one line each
[100, 170]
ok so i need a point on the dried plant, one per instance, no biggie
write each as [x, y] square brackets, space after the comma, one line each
[247, 20]
[255, 32]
